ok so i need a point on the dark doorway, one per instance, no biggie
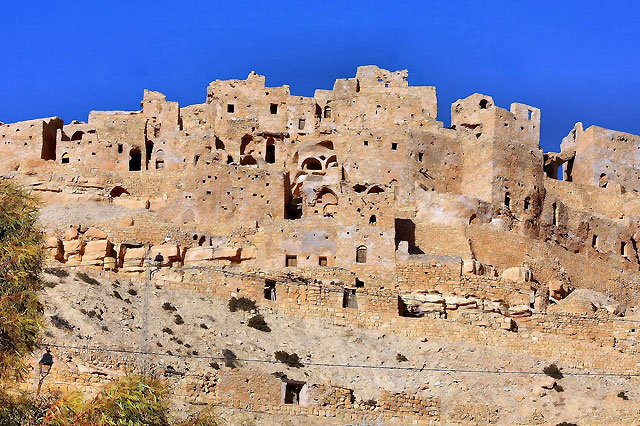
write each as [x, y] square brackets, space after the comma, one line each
[292, 392]
[270, 154]
[148, 146]
[349, 298]
[270, 290]
[406, 231]
[135, 160]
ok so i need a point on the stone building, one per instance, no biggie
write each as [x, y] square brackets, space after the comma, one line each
[358, 188]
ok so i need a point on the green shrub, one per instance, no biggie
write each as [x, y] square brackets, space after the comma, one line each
[61, 323]
[132, 292]
[623, 395]
[167, 330]
[169, 307]
[242, 304]
[178, 319]
[57, 272]
[21, 262]
[229, 358]
[203, 325]
[552, 370]
[129, 401]
[207, 417]
[258, 322]
[50, 284]
[292, 360]
[401, 358]
[87, 279]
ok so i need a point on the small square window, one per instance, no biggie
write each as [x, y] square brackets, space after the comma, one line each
[394, 146]
[386, 85]
[366, 143]
[273, 108]
[291, 261]
[420, 155]
[322, 260]
[231, 108]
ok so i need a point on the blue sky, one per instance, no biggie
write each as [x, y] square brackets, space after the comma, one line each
[576, 60]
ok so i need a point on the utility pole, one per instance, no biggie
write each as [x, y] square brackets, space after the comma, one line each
[146, 304]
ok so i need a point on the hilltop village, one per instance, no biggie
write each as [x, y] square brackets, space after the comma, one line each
[367, 233]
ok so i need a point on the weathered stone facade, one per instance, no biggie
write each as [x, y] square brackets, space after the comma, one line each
[356, 206]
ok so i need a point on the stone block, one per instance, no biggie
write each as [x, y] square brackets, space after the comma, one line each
[95, 234]
[517, 273]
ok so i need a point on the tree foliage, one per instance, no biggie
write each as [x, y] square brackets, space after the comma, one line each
[126, 402]
[130, 401]
[21, 261]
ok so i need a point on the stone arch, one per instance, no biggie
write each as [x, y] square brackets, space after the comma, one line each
[327, 112]
[603, 182]
[326, 197]
[77, 135]
[159, 159]
[331, 162]
[326, 144]
[375, 189]
[65, 158]
[270, 151]
[311, 164]
[117, 191]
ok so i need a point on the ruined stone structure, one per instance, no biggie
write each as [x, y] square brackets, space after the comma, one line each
[356, 206]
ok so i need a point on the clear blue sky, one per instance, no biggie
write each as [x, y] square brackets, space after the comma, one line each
[576, 60]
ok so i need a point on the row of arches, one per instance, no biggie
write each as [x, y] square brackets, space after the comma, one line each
[135, 158]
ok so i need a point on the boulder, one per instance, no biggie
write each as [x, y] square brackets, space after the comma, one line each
[557, 289]
[198, 254]
[134, 258]
[73, 248]
[109, 263]
[170, 253]
[517, 273]
[468, 266]
[226, 252]
[71, 234]
[544, 382]
[126, 221]
[96, 251]
[54, 249]
[95, 234]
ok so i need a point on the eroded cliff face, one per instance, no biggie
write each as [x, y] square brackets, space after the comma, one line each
[355, 207]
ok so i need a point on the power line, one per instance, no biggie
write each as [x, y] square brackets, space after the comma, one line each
[341, 289]
[328, 364]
